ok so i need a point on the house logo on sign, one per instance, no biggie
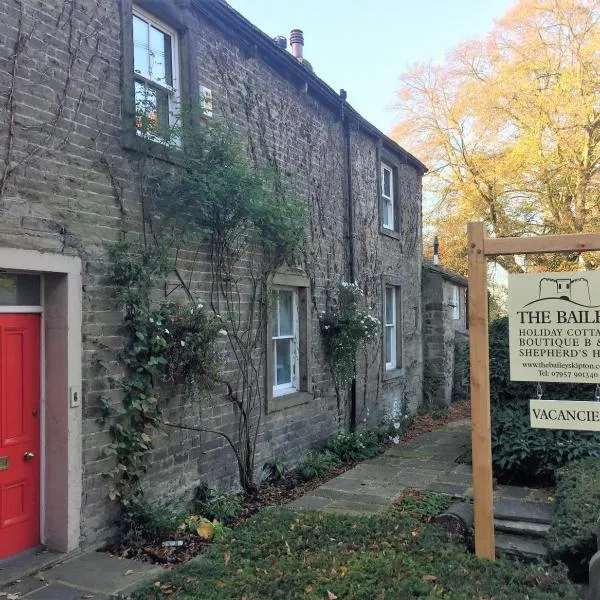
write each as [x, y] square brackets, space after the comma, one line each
[573, 290]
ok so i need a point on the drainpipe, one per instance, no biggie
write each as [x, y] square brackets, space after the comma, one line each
[349, 200]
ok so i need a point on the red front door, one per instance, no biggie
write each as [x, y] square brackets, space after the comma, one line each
[19, 433]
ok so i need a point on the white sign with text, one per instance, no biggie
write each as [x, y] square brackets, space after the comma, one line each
[554, 326]
[565, 414]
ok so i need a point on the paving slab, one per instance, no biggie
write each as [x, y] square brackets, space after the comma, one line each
[448, 488]
[26, 563]
[93, 575]
[58, 591]
[102, 573]
[310, 502]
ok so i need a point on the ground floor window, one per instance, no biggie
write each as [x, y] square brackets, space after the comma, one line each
[392, 334]
[284, 340]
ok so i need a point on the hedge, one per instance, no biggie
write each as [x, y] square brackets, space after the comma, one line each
[572, 537]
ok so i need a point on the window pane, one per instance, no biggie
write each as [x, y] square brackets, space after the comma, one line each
[19, 290]
[151, 108]
[141, 53]
[387, 182]
[389, 331]
[283, 365]
[286, 313]
[389, 305]
[388, 213]
[160, 57]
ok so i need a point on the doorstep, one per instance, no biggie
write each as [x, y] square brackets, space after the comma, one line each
[26, 563]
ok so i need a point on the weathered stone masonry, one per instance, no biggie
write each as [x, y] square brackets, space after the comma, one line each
[69, 167]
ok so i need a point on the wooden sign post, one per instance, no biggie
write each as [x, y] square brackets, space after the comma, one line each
[481, 247]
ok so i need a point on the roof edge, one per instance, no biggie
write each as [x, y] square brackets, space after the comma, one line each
[224, 16]
[449, 275]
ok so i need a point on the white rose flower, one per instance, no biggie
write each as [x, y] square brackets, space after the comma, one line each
[222, 332]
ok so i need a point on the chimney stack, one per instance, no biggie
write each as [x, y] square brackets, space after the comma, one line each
[297, 43]
[436, 251]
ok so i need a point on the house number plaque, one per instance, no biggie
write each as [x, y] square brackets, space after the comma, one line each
[3, 463]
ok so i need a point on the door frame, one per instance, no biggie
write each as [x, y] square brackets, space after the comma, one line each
[61, 414]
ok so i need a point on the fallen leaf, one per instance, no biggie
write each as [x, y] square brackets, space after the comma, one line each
[429, 578]
[206, 530]
[331, 596]
[129, 572]
[226, 558]
[343, 570]
[308, 589]
[287, 548]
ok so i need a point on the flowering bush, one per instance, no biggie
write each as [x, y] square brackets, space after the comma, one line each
[345, 329]
[350, 447]
[186, 338]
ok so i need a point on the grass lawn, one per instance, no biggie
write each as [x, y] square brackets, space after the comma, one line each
[395, 555]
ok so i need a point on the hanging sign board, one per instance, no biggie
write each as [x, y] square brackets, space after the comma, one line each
[565, 414]
[554, 327]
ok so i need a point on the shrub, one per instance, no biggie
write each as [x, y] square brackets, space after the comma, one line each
[351, 447]
[522, 454]
[224, 508]
[317, 464]
[146, 522]
[572, 537]
[275, 470]
[345, 329]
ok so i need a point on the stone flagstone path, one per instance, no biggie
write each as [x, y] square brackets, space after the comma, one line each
[425, 463]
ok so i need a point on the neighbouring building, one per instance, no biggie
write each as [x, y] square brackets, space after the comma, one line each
[445, 335]
[70, 155]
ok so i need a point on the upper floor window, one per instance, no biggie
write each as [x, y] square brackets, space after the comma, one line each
[156, 68]
[387, 196]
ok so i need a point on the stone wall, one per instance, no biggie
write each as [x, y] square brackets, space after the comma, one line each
[443, 335]
[71, 187]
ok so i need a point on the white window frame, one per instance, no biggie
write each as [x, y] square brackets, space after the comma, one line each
[455, 302]
[391, 329]
[387, 202]
[292, 386]
[172, 91]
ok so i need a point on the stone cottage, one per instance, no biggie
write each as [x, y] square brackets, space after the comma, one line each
[70, 72]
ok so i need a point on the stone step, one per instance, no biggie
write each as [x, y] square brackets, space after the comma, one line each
[522, 528]
[518, 510]
[520, 547]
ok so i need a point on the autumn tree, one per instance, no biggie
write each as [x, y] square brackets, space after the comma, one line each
[510, 127]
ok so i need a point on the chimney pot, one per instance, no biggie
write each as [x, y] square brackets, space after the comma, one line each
[297, 43]
[280, 41]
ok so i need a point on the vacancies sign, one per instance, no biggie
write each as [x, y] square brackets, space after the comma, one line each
[554, 326]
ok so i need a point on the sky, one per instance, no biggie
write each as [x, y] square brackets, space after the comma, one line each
[363, 46]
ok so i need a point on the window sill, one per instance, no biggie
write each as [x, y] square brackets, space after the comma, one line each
[130, 140]
[389, 232]
[288, 401]
[392, 374]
